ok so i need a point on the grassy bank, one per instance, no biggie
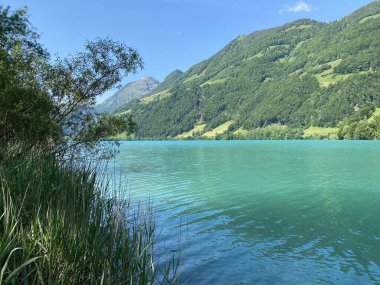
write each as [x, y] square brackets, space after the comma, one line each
[57, 227]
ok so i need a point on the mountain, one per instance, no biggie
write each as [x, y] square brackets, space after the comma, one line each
[168, 82]
[134, 90]
[286, 79]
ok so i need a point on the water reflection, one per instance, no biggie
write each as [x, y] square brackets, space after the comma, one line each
[264, 212]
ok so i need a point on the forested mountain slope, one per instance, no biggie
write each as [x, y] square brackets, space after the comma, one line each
[134, 90]
[295, 76]
[168, 82]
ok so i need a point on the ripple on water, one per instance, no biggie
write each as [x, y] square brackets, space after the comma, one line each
[263, 212]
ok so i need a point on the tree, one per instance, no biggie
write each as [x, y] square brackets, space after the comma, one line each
[26, 117]
[25, 108]
[364, 131]
[44, 102]
[76, 81]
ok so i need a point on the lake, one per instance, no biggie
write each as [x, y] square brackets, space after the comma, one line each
[263, 212]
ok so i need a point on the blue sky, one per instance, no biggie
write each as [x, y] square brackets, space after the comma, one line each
[168, 34]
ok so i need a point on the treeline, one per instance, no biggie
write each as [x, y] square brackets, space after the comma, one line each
[272, 132]
[361, 125]
[301, 74]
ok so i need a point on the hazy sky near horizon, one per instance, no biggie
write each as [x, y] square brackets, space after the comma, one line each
[168, 34]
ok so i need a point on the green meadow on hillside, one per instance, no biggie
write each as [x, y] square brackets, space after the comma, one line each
[304, 75]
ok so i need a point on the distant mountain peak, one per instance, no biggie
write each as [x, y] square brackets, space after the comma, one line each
[174, 74]
[176, 71]
[170, 80]
[133, 90]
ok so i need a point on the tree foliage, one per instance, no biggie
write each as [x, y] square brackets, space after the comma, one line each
[360, 125]
[51, 102]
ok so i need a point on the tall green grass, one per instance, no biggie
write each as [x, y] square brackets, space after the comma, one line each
[59, 225]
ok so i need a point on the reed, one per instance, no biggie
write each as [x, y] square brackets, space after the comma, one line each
[60, 225]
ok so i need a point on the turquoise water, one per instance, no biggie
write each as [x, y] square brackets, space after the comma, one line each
[263, 212]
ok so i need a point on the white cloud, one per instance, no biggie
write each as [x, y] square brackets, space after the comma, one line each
[300, 6]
